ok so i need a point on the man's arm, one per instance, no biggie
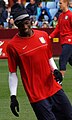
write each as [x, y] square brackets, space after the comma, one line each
[56, 72]
[52, 64]
[55, 32]
[13, 83]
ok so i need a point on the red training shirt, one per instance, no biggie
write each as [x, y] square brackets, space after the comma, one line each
[64, 27]
[32, 55]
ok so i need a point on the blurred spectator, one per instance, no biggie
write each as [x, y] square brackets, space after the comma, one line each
[58, 13]
[1, 25]
[3, 12]
[70, 5]
[43, 14]
[32, 8]
[11, 19]
[39, 6]
[54, 22]
[6, 3]
[2, 4]
[16, 1]
[33, 20]
[33, 25]
[11, 23]
[45, 24]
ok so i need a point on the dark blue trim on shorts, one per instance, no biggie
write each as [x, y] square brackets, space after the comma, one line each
[65, 55]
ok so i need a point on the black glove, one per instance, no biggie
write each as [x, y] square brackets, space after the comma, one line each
[58, 76]
[14, 105]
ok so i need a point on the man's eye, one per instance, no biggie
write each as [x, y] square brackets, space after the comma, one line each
[26, 23]
[60, 3]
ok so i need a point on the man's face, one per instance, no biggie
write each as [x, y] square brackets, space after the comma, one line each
[62, 4]
[25, 26]
[32, 1]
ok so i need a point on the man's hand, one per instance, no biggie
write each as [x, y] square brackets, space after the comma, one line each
[58, 76]
[14, 106]
[49, 37]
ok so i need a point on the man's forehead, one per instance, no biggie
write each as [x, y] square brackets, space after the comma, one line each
[60, 1]
[24, 20]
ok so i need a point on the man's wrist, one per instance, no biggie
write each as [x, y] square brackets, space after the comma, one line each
[13, 97]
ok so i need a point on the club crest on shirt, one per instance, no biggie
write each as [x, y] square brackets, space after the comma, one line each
[42, 40]
[69, 40]
[66, 17]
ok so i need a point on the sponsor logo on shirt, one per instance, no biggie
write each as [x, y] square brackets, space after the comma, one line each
[42, 40]
[66, 17]
[24, 47]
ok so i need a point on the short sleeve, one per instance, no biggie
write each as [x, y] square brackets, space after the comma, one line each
[12, 58]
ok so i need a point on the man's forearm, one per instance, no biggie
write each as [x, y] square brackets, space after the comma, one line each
[13, 83]
[52, 64]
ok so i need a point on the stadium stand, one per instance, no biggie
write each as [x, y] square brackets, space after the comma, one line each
[51, 5]
[56, 0]
[53, 12]
[43, 4]
[58, 5]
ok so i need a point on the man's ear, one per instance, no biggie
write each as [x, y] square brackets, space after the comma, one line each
[17, 23]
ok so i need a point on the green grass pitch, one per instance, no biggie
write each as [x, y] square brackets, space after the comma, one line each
[26, 112]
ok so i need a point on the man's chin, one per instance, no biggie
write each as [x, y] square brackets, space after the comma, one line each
[26, 30]
[60, 8]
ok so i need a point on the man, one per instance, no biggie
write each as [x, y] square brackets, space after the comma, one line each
[31, 51]
[64, 27]
[32, 8]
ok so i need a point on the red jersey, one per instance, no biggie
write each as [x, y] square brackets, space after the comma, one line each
[64, 27]
[32, 55]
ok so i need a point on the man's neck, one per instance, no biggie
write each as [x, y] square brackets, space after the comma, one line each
[65, 10]
[26, 35]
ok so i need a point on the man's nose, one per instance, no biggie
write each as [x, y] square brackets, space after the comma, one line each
[25, 26]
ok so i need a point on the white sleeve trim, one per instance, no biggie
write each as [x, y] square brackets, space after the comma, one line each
[52, 64]
[13, 83]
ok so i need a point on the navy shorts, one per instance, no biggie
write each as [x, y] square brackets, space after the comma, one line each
[56, 107]
[65, 55]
